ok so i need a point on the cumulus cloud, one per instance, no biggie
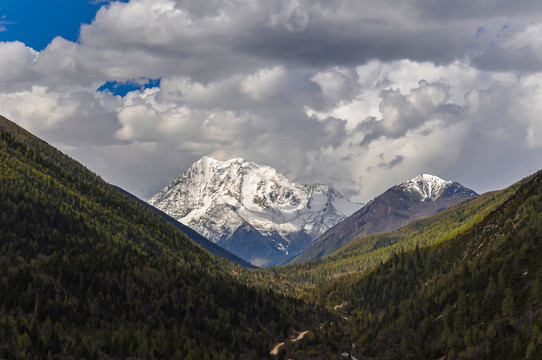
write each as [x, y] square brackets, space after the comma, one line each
[360, 94]
[20, 60]
[43, 108]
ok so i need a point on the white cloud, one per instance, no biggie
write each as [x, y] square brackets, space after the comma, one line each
[37, 108]
[138, 122]
[357, 93]
[16, 65]
[263, 83]
[146, 23]
[526, 108]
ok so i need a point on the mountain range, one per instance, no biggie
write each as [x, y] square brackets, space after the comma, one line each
[252, 210]
[88, 271]
[261, 216]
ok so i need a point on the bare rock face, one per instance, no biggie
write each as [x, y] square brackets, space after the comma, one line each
[418, 198]
[252, 210]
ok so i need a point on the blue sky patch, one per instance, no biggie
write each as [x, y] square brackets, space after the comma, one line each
[37, 22]
[123, 88]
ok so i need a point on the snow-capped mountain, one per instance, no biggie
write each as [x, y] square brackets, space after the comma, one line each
[252, 210]
[421, 197]
[429, 187]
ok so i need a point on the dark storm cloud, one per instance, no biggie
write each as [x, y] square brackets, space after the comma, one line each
[321, 45]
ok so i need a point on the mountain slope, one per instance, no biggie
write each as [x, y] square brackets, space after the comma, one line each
[421, 197]
[87, 272]
[252, 210]
[476, 296]
[193, 235]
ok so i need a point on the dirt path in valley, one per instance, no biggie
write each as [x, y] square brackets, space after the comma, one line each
[275, 350]
[301, 335]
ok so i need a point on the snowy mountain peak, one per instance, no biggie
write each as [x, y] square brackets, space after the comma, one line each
[220, 198]
[429, 187]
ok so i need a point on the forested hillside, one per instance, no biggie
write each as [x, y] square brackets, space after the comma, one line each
[87, 272]
[476, 296]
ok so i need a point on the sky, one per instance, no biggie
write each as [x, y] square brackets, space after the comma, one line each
[358, 94]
